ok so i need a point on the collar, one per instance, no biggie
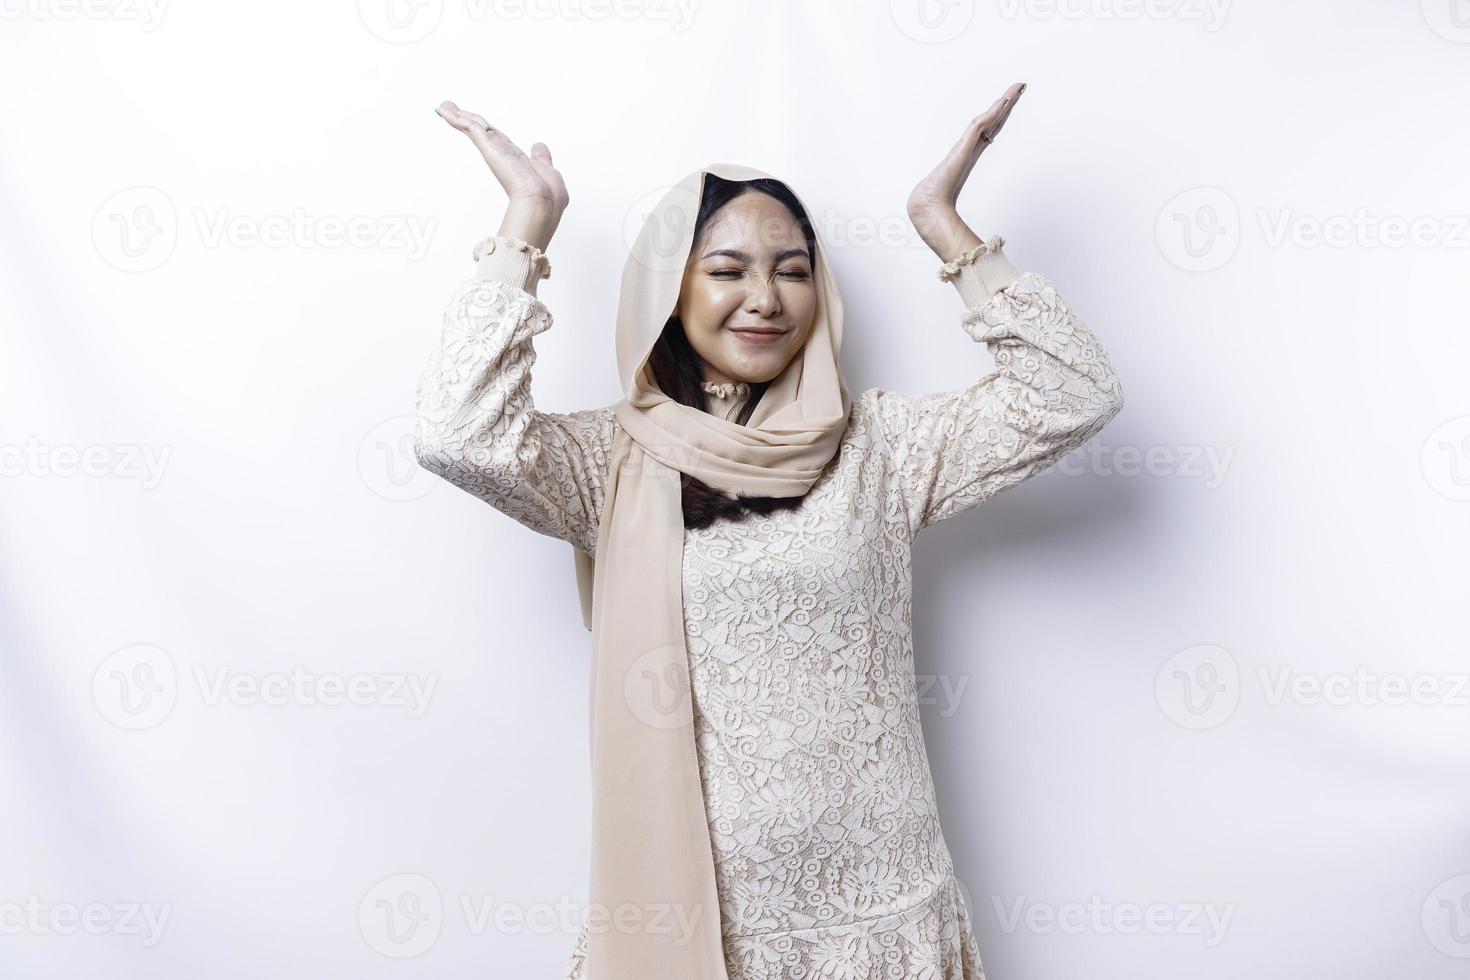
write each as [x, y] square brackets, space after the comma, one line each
[726, 389]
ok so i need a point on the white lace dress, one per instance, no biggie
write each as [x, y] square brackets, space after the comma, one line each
[830, 862]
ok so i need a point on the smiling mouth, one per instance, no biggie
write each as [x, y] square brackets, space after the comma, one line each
[758, 335]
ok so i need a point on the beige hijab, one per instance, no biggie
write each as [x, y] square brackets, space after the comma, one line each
[654, 910]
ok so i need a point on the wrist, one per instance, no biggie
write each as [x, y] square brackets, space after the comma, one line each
[511, 260]
[980, 272]
[530, 221]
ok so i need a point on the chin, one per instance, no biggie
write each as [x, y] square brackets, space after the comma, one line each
[755, 370]
[753, 375]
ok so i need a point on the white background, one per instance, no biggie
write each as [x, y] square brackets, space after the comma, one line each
[1106, 642]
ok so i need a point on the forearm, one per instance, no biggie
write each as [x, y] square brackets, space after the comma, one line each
[977, 269]
[529, 220]
[474, 404]
[945, 232]
[478, 426]
[1054, 386]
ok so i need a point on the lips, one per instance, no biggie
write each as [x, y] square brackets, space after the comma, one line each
[758, 335]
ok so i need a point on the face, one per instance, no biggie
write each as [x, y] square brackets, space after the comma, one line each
[748, 299]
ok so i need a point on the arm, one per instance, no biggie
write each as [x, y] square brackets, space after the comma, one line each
[478, 426]
[1054, 389]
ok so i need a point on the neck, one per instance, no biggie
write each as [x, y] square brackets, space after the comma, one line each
[713, 376]
[726, 388]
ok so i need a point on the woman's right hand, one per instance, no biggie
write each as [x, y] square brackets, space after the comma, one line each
[537, 194]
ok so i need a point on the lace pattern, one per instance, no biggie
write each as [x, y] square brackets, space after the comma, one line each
[726, 389]
[933, 940]
[830, 861]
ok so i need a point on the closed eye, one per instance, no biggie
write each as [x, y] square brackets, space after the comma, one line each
[794, 274]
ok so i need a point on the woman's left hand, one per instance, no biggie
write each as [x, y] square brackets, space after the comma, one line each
[931, 206]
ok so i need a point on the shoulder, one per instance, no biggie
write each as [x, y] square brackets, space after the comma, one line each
[895, 421]
[866, 425]
[606, 415]
[597, 422]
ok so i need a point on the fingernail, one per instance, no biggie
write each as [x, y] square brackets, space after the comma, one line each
[1021, 89]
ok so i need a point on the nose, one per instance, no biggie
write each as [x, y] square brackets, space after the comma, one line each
[762, 297]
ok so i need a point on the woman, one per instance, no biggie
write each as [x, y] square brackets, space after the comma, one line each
[762, 801]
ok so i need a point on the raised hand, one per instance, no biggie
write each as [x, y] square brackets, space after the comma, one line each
[536, 192]
[932, 204]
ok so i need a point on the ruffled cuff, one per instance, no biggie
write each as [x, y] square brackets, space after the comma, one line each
[511, 260]
[981, 272]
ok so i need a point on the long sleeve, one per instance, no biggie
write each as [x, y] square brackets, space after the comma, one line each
[1054, 388]
[478, 426]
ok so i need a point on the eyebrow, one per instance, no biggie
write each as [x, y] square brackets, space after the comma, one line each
[740, 256]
